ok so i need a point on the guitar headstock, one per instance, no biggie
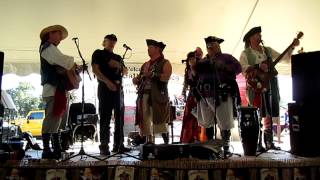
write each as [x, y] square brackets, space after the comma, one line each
[299, 35]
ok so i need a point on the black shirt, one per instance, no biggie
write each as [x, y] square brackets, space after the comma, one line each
[102, 58]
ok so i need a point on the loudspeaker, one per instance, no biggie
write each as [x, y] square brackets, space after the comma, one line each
[164, 151]
[1, 73]
[306, 77]
[209, 151]
[304, 126]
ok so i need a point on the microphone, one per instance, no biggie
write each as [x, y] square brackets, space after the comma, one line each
[127, 47]
[75, 38]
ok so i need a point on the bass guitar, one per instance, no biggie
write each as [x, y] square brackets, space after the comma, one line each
[259, 79]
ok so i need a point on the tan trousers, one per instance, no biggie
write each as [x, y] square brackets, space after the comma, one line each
[50, 123]
[148, 128]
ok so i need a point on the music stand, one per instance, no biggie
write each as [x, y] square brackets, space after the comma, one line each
[120, 153]
[84, 68]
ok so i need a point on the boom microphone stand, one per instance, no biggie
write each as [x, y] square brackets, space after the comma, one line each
[120, 153]
[84, 68]
[270, 98]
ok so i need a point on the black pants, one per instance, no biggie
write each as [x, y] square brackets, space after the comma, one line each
[108, 101]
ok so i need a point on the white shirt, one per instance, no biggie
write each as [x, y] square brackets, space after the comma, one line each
[262, 57]
[54, 57]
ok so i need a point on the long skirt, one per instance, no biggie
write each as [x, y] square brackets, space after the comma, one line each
[190, 131]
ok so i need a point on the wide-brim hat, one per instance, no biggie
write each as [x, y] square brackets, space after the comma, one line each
[158, 44]
[251, 32]
[211, 39]
[49, 29]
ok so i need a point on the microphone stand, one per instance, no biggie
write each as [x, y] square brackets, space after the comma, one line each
[120, 153]
[84, 68]
[269, 94]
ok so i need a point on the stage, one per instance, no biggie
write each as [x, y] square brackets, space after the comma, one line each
[280, 164]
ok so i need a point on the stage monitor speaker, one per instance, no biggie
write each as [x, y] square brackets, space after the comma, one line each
[304, 127]
[306, 77]
[209, 151]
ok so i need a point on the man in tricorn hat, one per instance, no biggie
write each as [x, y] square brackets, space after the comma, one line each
[252, 59]
[153, 99]
[219, 91]
[54, 92]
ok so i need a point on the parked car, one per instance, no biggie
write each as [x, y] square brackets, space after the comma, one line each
[32, 123]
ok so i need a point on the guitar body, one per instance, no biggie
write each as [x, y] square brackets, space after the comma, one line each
[254, 82]
[73, 80]
[70, 79]
[258, 79]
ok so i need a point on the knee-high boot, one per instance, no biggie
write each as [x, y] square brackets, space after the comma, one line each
[225, 134]
[46, 153]
[56, 145]
[268, 139]
[165, 137]
[210, 133]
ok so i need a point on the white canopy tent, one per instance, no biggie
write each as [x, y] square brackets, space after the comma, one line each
[181, 24]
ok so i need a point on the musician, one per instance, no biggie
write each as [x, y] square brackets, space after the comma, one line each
[153, 80]
[253, 57]
[54, 93]
[218, 89]
[190, 130]
[107, 66]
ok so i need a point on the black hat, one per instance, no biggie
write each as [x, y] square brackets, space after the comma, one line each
[191, 54]
[251, 32]
[111, 37]
[152, 42]
[211, 39]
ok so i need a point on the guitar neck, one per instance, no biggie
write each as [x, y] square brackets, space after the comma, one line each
[275, 62]
[299, 35]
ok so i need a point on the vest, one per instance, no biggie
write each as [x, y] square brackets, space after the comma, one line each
[159, 95]
[252, 58]
[47, 71]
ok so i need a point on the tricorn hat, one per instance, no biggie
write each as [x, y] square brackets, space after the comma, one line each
[211, 39]
[52, 28]
[158, 44]
[251, 32]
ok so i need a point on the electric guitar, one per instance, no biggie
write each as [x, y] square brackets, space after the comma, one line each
[259, 79]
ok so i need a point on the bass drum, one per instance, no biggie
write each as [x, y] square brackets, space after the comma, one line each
[249, 129]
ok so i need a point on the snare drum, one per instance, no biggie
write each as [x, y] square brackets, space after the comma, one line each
[249, 129]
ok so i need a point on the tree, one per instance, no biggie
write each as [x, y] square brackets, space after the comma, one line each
[24, 98]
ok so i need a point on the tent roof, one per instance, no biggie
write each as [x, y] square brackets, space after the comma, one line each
[181, 24]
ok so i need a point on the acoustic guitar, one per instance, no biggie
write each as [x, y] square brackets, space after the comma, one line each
[259, 79]
[70, 79]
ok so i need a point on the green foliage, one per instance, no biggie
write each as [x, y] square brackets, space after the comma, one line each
[24, 98]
